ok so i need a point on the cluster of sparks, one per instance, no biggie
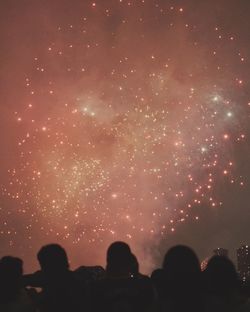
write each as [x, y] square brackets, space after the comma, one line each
[123, 137]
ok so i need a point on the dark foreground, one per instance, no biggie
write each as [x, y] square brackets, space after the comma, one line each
[178, 286]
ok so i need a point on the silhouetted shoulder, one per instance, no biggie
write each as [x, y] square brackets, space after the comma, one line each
[89, 274]
[125, 294]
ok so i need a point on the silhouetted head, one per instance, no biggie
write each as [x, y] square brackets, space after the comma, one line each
[11, 270]
[134, 265]
[157, 275]
[158, 279]
[118, 259]
[220, 275]
[181, 259]
[53, 258]
[181, 267]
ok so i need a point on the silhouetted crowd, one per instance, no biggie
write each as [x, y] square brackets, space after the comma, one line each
[179, 285]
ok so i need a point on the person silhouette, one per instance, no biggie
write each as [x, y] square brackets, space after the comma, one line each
[135, 269]
[61, 289]
[181, 280]
[120, 290]
[13, 296]
[222, 286]
[118, 260]
[158, 280]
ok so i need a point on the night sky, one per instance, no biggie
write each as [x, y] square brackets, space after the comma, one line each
[124, 120]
